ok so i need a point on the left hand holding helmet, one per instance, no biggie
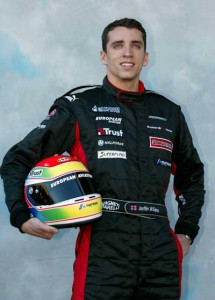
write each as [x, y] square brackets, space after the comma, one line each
[37, 228]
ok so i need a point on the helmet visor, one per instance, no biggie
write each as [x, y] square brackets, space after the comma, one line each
[61, 189]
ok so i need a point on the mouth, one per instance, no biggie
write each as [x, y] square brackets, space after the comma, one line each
[127, 64]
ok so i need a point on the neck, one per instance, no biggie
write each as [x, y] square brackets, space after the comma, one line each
[125, 85]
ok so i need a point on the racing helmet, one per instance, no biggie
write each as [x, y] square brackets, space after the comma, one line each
[59, 191]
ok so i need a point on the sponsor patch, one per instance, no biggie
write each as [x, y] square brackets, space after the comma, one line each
[106, 109]
[162, 162]
[36, 173]
[63, 159]
[81, 175]
[159, 128]
[110, 205]
[71, 98]
[41, 126]
[62, 180]
[157, 118]
[108, 131]
[103, 143]
[182, 199]
[111, 154]
[52, 113]
[88, 205]
[109, 119]
[160, 143]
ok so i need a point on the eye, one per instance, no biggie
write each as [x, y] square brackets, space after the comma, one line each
[117, 45]
[137, 46]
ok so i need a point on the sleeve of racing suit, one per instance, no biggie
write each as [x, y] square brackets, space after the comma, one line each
[188, 181]
[54, 135]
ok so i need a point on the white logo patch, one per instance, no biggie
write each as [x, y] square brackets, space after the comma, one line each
[102, 143]
[71, 98]
[158, 118]
[41, 126]
[36, 173]
[106, 109]
[63, 159]
[111, 154]
[110, 205]
[109, 119]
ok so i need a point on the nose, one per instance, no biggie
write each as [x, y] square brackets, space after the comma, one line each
[127, 51]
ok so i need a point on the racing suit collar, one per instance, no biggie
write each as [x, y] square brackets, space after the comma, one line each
[124, 95]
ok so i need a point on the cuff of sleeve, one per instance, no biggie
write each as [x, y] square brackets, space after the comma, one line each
[187, 229]
[20, 219]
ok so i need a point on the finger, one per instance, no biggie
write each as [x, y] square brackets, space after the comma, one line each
[46, 231]
[42, 234]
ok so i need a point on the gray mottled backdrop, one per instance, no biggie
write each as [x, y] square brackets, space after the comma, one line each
[49, 46]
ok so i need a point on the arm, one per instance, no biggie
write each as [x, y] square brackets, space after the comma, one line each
[54, 135]
[188, 184]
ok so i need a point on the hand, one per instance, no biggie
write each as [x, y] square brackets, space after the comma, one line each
[185, 243]
[37, 228]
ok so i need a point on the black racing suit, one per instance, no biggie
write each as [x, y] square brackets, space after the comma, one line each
[131, 143]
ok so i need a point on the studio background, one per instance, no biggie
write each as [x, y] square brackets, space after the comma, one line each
[48, 47]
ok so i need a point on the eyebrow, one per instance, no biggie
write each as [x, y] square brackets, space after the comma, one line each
[133, 42]
[117, 42]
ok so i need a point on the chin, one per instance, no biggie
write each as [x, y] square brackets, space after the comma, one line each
[127, 78]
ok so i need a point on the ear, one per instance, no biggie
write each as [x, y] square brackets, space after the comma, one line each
[103, 57]
[146, 59]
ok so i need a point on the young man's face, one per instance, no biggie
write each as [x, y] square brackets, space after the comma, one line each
[125, 56]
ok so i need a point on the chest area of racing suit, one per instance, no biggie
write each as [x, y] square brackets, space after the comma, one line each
[128, 145]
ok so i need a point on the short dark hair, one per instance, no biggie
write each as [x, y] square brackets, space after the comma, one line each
[125, 22]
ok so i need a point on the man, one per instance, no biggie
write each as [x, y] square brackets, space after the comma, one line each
[131, 139]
